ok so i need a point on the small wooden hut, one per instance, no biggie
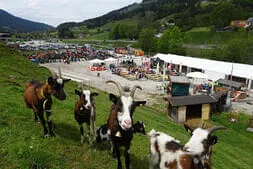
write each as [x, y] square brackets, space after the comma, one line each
[183, 108]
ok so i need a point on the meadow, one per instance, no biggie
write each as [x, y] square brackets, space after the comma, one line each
[22, 144]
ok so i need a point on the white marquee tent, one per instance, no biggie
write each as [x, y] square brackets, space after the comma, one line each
[96, 61]
[211, 66]
[198, 75]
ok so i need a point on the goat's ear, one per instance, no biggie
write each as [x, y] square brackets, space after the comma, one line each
[139, 103]
[66, 80]
[188, 128]
[113, 98]
[50, 80]
[94, 94]
[212, 140]
[78, 93]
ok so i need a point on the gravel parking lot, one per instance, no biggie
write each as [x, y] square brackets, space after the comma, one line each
[79, 71]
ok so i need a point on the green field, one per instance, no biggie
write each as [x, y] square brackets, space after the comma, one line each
[22, 144]
[203, 36]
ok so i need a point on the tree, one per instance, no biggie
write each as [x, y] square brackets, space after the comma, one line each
[171, 41]
[225, 12]
[240, 51]
[115, 32]
[65, 32]
[147, 41]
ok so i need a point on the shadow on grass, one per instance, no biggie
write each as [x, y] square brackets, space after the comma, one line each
[67, 131]
[137, 163]
[105, 146]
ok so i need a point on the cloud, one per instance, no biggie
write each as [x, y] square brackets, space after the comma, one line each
[55, 12]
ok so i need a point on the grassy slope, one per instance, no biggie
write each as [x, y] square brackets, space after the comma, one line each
[22, 144]
[202, 36]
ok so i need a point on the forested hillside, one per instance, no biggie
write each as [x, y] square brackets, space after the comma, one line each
[10, 23]
[186, 14]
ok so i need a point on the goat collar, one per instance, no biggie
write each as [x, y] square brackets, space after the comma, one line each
[42, 94]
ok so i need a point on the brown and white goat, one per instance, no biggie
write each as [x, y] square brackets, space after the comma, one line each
[85, 112]
[38, 97]
[167, 153]
[120, 122]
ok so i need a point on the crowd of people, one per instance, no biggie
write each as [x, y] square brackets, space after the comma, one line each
[67, 56]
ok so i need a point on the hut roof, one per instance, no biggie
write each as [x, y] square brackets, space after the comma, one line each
[179, 79]
[218, 95]
[192, 100]
[229, 82]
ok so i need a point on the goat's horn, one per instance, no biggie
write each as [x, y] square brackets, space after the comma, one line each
[213, 129]
[59, 71]
[117, 85]
[54, 75]
[133, 90]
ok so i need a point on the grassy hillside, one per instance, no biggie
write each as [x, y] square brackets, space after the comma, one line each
[200, 36]
[22, 144]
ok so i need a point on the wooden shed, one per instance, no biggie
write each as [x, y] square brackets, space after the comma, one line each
[183, 108]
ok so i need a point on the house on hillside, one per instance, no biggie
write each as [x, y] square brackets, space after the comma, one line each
[238, 23]
[183, 108]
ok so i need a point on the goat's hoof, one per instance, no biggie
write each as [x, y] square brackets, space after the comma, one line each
[46, 135]
[52, 134]
[114, 155]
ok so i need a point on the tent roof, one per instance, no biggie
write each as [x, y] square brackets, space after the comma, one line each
[240, 70]
[110, 59]
[199, 75]
[96, 61]
[229, 82]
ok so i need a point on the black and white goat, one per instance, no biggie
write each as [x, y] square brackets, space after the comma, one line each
[120, 122]
[167, 153]
[102, 132]
[85, 112]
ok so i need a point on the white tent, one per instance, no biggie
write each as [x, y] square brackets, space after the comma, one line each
[96, 61]
[198, 75]
[110, 59]
[237, 69]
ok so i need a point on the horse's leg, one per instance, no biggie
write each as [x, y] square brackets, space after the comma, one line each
[82, 132]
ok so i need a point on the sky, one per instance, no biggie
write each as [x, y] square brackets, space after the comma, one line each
[55, 12]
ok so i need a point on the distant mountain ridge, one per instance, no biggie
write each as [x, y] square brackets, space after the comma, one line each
[185, 13]
[11, 23]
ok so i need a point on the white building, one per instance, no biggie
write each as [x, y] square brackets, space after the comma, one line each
[214, 69]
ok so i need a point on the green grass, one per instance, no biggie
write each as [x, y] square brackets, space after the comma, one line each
[22, 144]
[200, 36]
